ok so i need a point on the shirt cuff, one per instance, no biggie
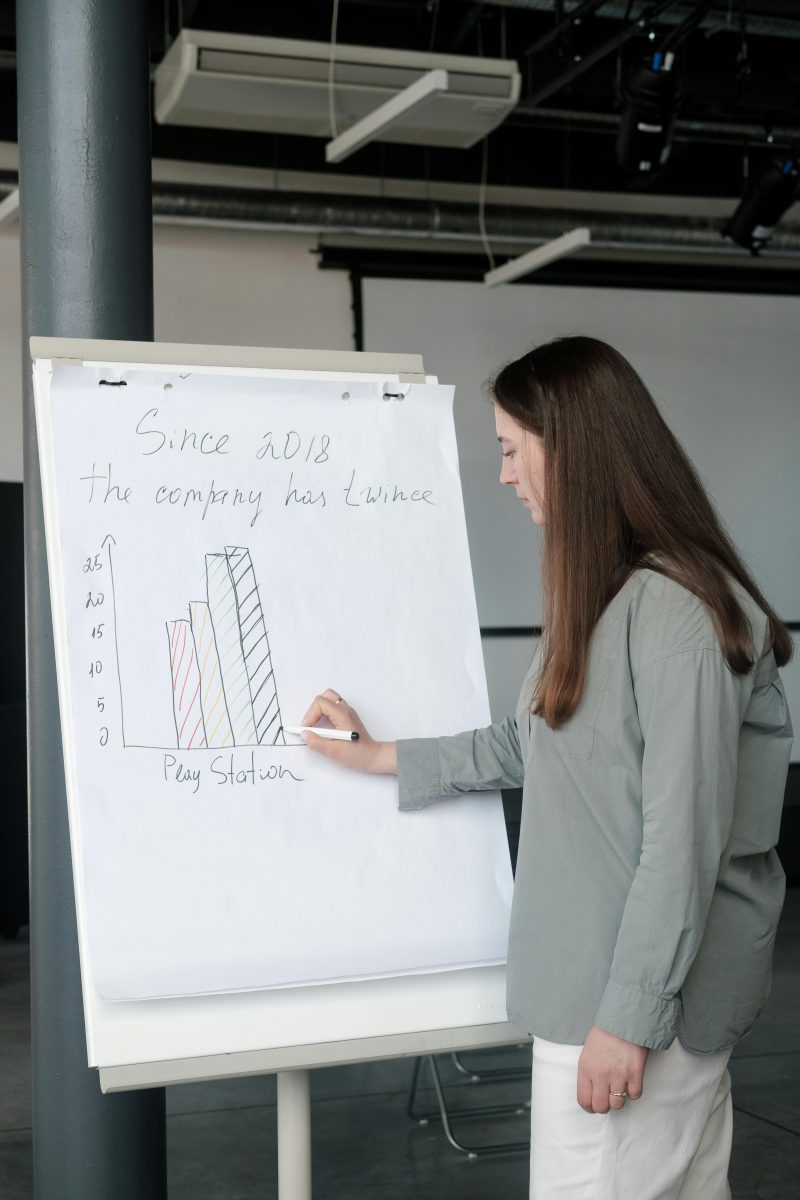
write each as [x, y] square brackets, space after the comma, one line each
[638, 1016]
[418, 773]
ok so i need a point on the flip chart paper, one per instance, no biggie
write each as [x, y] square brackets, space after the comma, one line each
[222, 547]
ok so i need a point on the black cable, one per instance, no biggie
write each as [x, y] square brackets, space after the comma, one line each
[618, 72]
[743, 58]
[562, 26]
[681, 32]
[434, 23]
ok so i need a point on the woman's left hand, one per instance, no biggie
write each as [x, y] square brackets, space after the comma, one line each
[609, 1064]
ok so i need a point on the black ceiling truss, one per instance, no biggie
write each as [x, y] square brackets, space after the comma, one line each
[740, 77]
[584, 64]
[573, 56]
[563, 25]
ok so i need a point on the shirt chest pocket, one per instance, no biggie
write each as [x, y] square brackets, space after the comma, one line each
[576, 737]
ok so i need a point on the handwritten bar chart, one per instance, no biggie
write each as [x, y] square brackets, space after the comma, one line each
[224, 691]
[212, 695]
[225, 619]
[186, 705]
[255, 646]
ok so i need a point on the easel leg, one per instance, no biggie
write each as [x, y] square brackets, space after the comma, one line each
[294, 1135]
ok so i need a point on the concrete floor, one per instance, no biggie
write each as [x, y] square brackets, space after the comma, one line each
[221, 1137]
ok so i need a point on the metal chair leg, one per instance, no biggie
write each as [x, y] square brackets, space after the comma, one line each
[472, 1076]
[477, 1076]
[445, 1114]
[420, 1118]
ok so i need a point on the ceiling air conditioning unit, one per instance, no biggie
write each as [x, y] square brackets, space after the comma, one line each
[278, 85]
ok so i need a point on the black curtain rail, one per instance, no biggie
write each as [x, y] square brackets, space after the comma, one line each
[382, 263]
[509, 631]
[512, 631]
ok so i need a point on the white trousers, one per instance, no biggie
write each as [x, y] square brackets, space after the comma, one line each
[673, 1143]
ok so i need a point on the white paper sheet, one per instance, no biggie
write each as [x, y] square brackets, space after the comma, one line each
[221, 548]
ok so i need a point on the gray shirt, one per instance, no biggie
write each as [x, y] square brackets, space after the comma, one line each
[648, 890]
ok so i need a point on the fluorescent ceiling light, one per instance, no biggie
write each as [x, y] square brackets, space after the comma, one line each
[540, 257]
[370, 128]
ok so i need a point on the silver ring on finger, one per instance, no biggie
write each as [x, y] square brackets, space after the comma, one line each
[619, 1095]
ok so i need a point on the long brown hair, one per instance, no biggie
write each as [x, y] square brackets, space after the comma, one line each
[620, 493]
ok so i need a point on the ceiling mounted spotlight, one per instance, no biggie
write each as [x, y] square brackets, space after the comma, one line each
[651, 100]
[765, 200]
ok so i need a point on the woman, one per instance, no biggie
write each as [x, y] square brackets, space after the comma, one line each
[652, 741]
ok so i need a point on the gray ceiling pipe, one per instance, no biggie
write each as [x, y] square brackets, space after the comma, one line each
[375, 218]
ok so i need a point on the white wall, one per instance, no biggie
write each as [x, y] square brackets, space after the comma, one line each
[722, 368]
[227, 287]
[242, 288]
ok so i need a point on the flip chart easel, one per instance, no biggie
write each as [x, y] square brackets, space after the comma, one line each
[287, 1031]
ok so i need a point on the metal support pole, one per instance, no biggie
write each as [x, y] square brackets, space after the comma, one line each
[85, 210]
[294, 1135]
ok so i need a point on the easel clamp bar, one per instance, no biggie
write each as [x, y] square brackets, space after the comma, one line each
[268, 1062]
[409, 367]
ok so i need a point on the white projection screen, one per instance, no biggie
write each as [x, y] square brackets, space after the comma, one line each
[722, 367]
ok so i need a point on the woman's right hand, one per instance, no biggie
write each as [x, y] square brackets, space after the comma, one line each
[378, 758]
